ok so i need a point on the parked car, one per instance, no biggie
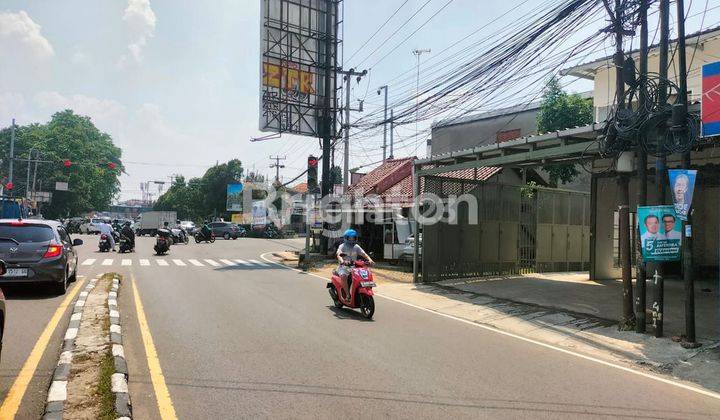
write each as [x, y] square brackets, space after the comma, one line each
[3, 269]
[189, 226]
[409, 250]
[225, 230]
[92, 226]
[38, 251]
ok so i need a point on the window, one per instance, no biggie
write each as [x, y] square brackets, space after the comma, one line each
[64, 236]
[508, 135]
[26, 233]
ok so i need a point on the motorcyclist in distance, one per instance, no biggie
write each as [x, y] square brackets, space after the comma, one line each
[127, 232]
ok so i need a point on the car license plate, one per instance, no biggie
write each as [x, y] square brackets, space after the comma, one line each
[368, 284]
[16, 272]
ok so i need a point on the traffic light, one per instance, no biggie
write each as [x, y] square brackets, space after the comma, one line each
[312, 174]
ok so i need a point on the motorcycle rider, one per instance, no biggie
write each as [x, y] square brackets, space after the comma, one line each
[347, 253]
[205, 230]
[128, 233]
[183, 233]
[106, 229]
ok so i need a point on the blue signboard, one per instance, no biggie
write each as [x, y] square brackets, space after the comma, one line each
[710, 104]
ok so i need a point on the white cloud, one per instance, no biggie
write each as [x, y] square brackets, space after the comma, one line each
[140, 21]
[107, 114]
[19, 34]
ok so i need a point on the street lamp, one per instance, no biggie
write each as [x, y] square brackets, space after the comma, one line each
[418, 52]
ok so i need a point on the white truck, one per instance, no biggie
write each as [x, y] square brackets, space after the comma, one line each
[151, 221]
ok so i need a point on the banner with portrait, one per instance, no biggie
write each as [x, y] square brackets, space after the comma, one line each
[660, 233]
[682, 185]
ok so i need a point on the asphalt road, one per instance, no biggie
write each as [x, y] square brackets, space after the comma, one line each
[236, 337]
[264, 341]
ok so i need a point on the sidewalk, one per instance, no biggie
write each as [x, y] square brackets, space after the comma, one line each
[569, 311]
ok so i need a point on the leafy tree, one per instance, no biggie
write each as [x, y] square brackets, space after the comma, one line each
[93, 183]
[183, 197]
[560, 110]
[336, 177]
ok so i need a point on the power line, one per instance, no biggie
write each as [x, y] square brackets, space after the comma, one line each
[377, 31]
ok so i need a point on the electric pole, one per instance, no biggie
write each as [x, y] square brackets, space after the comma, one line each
[661, 161]
[392, 130]
[346, 127]
[277, 165]
[384, 146]
[641, 154]
[418, 52]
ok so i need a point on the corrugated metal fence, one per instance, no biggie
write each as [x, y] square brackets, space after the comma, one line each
[518, 230]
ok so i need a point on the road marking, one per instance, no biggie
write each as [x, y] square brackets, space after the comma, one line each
[527, 340]
[261, 264]
[243, 262]
[89, 261]
[196, 263]
[126, 261]
[144, 262]
[179, 262]
[213, 263]
[162, 394]
[162, 262]
[107, 261]
[12, 401]
[227, 262]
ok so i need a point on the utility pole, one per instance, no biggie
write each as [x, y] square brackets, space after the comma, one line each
[277, 166]
[384, 147]
[641, 291]
[661, 161]
[346, 127]
[687, 261]
[627, 320]
[12, 154]
[392, 130]
[418, 53]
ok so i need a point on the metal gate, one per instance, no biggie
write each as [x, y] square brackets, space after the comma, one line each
[528, 231]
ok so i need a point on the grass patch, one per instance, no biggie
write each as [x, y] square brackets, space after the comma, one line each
[104, 391]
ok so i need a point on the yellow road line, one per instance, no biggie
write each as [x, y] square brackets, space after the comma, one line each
[14, 397]
[165, 405]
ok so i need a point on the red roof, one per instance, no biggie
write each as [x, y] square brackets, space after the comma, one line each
[300, 188]
[383, 177]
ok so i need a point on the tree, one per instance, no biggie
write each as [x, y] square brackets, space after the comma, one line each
[558, 111]
[93, 182]
[336, 177]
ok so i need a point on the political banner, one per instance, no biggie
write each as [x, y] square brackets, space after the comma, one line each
[660, 233]
[710, 104]
[234, 197]
[682, 184]
[259, 213]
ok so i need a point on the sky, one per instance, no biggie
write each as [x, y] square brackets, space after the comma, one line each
[176, 82]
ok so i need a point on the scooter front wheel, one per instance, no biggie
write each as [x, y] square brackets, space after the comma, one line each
[367, 306]
[334, 297]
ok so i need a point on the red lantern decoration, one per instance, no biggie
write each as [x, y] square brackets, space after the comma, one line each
[67, 163]
[112, 165]
[9, 185]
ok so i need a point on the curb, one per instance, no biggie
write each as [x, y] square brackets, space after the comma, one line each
[119, 379]
[57, 393]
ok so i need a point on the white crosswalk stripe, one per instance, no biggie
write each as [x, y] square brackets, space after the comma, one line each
[126, 261]
[179, 262]
[261, 264]
[144, 262]
[196, 263]
[89, 261]
[243, 262]
[162, 262]
[227, 262]
[213, 263]
[107, 261]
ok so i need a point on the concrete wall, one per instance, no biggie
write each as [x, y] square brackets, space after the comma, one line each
[467, 135]
[707, 52]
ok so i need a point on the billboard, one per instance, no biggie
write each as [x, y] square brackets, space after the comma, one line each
[660, 233]
[293, 64]
[259, 213]
[234, 197]
[710, 104]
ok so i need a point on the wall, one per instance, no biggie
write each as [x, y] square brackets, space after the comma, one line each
[707, 52]
[467, 135]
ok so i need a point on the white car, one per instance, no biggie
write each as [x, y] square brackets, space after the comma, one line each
[409, 250]
[91, 227]
[189, 226]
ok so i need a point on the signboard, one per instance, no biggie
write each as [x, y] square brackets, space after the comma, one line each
[234, 197]
[259, 213]
[682, 185]
[659, 233]
[41, 196]
[241, 218]
[61, 186]
[710, 104]
[292, 64]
